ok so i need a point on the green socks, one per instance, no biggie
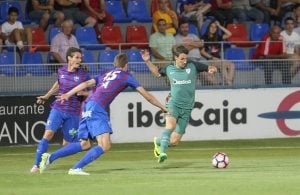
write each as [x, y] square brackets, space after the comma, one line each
[165, 140]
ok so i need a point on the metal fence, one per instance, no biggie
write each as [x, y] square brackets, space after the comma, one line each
[32, 79]
[17, 78]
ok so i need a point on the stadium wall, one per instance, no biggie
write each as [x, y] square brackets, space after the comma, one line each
[218, 115]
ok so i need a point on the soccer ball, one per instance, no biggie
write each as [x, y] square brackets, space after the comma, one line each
[220, 160]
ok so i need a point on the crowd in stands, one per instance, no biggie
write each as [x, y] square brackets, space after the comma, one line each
[202, 26]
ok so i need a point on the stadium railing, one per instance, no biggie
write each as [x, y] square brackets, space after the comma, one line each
[249, 73]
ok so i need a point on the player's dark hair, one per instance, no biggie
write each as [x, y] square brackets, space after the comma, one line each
[120, 60]
[13, 10]
[70, 53]
[177, 50]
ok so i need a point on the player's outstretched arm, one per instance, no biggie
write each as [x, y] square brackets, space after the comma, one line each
[150, 98]
[146, 57]
[80, 87]
[42, 99]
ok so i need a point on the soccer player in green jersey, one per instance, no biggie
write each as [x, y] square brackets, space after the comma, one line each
[182, 75]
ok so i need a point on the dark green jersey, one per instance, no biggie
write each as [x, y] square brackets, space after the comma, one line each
[183, 83]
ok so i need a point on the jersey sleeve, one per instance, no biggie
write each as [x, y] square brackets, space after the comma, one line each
[132, 82]
[163, 71]
[200, 67]
[96, 78]
[87, 76]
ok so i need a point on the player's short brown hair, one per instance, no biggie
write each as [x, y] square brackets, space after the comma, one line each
[177, 50]
[120, 60]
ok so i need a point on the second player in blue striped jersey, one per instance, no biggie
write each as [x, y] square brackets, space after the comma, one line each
[66, 115]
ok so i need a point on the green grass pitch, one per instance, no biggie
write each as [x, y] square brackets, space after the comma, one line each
[268, 166]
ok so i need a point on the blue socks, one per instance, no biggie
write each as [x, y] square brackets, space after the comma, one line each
[165, 140]
[69, 149]
[89, 157]
[42, 148]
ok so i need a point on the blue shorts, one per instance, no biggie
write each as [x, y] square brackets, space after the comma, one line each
[68, 122]
[95, 121]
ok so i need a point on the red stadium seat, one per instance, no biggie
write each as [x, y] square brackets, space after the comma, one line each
[137, 34]
[39, 39]
[111, 36]
[239, 35]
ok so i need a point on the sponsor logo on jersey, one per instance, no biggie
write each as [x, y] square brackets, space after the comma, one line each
[181, 82]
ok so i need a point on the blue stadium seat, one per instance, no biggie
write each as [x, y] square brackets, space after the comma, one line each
[7, 61]
[53, 32]
[179, 6]
[235, 55]
[137, 10]
[258, 31]
[106, 59]
[88, 57]
[115, 8]
[33, 64]
[136, 62]
[193, 29]
[5, 5]
[87, 38]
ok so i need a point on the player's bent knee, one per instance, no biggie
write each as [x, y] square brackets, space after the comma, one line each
[48, 135]
[105, 147]
[85, 144]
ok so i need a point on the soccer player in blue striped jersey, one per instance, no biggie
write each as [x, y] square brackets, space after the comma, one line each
[95, 121]
[64, 115]
[182, 75]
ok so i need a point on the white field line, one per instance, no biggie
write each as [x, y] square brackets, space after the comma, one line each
[184, 149]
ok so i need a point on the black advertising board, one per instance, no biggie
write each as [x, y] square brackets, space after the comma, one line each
[22, 120]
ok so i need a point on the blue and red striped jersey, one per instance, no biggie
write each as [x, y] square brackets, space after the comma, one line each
[110, 84]
[67, 81]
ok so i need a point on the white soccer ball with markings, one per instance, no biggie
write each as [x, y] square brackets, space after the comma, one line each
[220, 160]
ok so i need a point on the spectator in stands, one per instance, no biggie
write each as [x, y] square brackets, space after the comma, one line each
[296, 16]
[222, 11]
[161, 43]
[71, 10]
[292, 43]
[194, 11]
[13, 32]
[1, 41]
[194, 45]
[168, 15]
[242, 12]
[286, 7]
[189, 41]
[270, 50]
[212, 51]
[42, 11]
[265, 7]
[97, 10]
[62, 41]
